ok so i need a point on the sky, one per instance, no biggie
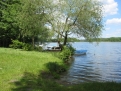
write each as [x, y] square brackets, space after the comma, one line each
[112, 18]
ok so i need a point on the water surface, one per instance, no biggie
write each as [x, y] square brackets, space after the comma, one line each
[101, 63]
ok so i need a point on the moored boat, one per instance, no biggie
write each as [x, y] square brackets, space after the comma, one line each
[80, 52]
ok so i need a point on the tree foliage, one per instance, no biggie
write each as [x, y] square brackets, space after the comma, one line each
[8, 24]
[80, 17]
[31, 19]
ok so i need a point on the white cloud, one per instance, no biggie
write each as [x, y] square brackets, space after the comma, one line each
[110, 7]
[114, 21]
[108, 28]
[115, 33]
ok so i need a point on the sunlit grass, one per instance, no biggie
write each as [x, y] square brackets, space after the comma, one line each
[14, 62]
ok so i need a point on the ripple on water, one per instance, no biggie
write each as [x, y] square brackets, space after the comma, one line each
[101, 63]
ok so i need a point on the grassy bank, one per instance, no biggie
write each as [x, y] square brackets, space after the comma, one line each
[20, 71]
[13, 64]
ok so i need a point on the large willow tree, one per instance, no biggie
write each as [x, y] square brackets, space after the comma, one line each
[79, 17]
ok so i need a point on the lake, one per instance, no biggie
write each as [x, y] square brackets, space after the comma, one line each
[101, 63]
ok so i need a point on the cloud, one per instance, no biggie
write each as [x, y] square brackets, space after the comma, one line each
[115, 33]
[114, 21]
[108, 28]
[110, 7]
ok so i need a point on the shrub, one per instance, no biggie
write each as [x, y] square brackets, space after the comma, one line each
[38, 48]
[66, 53]
[17, 44]
[72, 50]
[27, 47]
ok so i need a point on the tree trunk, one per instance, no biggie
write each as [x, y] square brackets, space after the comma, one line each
[33, 42]
[65, 38]
[23, 39]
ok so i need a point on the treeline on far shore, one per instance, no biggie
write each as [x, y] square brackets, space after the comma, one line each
[111, 39]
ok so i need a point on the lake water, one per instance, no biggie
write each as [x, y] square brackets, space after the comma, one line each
[101, 63]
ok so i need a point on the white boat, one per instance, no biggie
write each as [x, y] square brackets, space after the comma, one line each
[80, 52]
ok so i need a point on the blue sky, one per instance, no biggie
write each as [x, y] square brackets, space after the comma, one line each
[112, 18]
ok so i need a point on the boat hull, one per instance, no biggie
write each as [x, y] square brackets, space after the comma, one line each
[80, 52]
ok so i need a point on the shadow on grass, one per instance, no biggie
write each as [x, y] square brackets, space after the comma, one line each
[45, 81]
[31, 82]
[56, 69]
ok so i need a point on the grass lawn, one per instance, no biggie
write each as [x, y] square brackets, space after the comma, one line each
[20, 71]
[14, 62]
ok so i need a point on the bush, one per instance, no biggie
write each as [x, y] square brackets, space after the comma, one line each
[27, 47]
[67, 53]
[17, 44]
[72, 50]
[38, 48]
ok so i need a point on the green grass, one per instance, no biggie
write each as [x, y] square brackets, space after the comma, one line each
[20, 71]
[14, 62]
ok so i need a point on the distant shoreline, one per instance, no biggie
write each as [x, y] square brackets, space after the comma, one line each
[111, 39]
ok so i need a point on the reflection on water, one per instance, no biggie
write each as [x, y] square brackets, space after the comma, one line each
[101, 63]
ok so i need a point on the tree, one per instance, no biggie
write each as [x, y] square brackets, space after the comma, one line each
[8, 24]
[80, 17]
[31, 19]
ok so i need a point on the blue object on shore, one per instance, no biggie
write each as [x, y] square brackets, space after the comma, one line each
[80, 52]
